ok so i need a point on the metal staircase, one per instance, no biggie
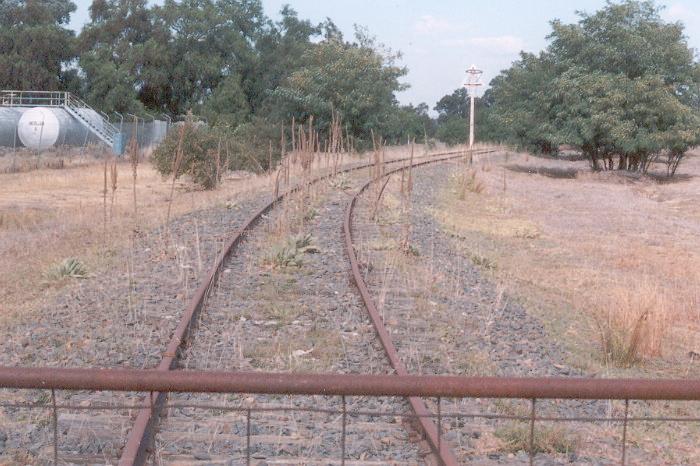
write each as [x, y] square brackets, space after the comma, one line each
[86, 115]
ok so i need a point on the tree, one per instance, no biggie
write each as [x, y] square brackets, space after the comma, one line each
[455, 105]
[209, 42]
[280, 51]
[617, 84]
[112, 48]
[523, 103]
[36, 47]
[453, 118]
[357, 80]
[453, 130]
[409, 123]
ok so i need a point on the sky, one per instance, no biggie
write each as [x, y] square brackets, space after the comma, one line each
[440, 39]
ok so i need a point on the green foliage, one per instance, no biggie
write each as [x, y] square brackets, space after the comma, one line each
[407, 123]
[68, 268]
[616, 84]
[455, 105]
[453, 130]
[36, 45]
[453, 118]
[357, 80]
[112, 53]
[289, 254]
[201, 155]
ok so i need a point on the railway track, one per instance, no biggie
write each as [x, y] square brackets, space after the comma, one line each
[211, 349]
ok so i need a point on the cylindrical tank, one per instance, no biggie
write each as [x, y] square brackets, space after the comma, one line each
[40, 128]
[9, 117]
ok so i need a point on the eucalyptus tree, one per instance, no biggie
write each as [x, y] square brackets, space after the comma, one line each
[36, 46]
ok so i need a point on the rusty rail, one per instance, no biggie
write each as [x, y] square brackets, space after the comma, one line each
[153, 380]
[532, 389]
[433, 435]
[140, 437]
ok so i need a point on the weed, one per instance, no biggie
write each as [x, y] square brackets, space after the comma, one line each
[516, 437]
[310, 214]
[341, 182]
[632, 324]
[68, 268]
[470, 183]
[290, 253]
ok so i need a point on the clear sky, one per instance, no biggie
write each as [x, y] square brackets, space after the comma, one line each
[440, 39]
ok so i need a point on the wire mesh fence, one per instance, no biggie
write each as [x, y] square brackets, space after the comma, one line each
[333, 419]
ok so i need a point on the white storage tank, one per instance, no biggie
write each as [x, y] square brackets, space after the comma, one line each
[40, 128]
[9, 117]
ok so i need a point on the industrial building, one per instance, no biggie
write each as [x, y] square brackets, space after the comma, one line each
[40, 120]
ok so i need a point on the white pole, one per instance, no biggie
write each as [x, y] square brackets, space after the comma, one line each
[471, 122]
[473, 75]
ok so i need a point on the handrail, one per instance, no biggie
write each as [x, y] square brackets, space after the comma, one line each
[139, 380]
[56, 99]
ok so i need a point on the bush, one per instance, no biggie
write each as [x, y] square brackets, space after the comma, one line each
[194, 150]
[250, 146]
[453, 131]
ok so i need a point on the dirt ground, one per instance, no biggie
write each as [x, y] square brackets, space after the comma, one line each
[573, 246]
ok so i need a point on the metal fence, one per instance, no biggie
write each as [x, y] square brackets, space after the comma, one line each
[437, 388]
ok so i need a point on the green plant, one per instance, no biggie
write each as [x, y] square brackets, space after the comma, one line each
[68, 268]
[192, 150]
[290, 253]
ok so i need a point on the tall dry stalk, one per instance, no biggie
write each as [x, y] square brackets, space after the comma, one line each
[407, 207]
[134, 159]
[104, 204]
[113, 174]
[632, 324]
[175, 169]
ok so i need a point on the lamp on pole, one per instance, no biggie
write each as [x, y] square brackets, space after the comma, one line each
[473, 77]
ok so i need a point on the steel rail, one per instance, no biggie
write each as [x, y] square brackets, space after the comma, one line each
[432, 433]
[140, 436]
[443, 386]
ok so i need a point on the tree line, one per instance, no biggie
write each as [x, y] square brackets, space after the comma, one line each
[223, 61]
[621, 85]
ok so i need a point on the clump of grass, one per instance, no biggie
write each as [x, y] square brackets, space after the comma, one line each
[289, 254]
[516, 437]
[632, 324]
[67, 268]
[340, 182]
[470, 183]
[310, 214]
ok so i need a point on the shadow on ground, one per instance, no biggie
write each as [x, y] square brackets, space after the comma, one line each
[551, 172]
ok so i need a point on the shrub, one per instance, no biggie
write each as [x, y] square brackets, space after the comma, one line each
[453, 131]
[201, 155]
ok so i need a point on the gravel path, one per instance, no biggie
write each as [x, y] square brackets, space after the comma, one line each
[120, 318]
[447, 318]
[305, 318]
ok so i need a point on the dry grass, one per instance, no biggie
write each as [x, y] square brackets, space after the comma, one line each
[603, 257]
[556, 439]
[632, 323]
[48, 215]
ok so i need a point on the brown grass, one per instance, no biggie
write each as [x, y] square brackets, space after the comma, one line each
[48, 215]
[597, 256]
